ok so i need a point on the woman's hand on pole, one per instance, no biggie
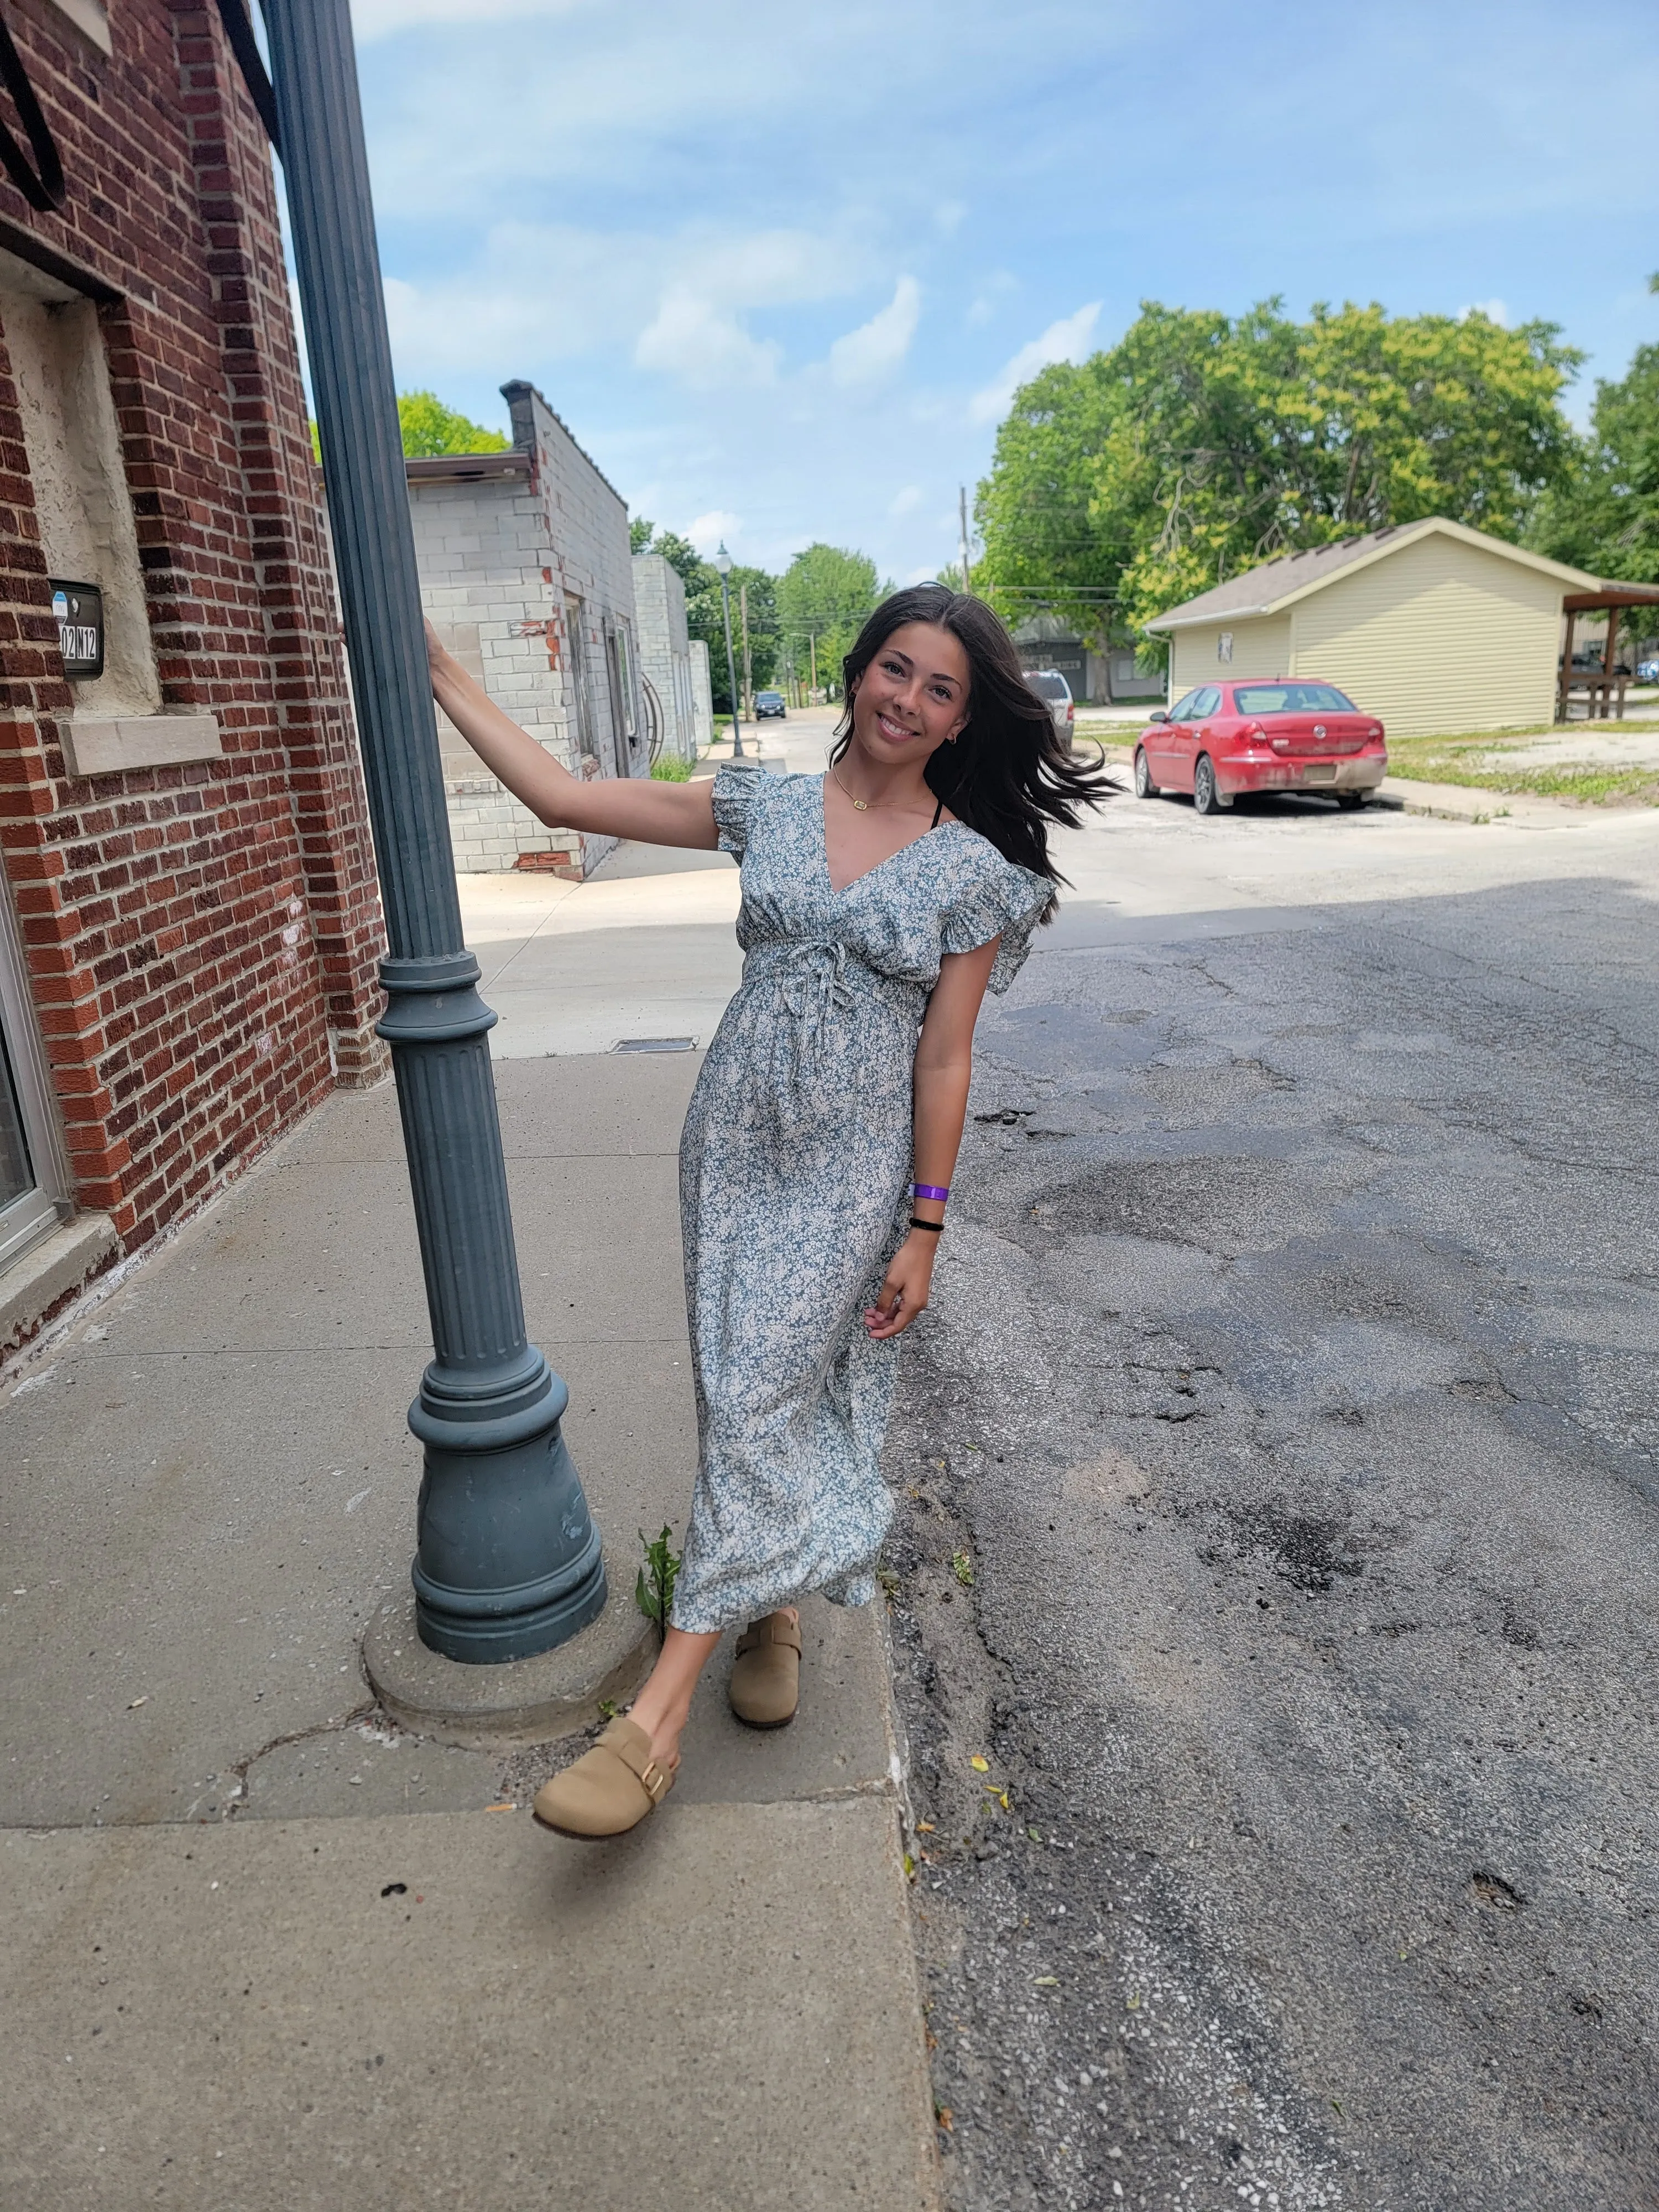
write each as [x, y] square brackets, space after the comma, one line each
[638, 807]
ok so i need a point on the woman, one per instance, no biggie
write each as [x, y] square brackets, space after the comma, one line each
[879, 902]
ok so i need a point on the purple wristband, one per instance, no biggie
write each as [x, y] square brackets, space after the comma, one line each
[930, 1190]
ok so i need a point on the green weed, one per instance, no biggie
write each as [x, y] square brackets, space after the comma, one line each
[653, 1590]
[670, 769]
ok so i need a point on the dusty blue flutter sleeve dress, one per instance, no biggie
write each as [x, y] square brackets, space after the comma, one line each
[795, 1166]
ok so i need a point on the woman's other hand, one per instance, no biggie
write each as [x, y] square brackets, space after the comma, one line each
[903, 1292]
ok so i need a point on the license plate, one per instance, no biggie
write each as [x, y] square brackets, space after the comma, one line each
[1325, 772]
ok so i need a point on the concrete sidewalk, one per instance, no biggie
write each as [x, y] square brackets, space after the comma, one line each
[266, 1951]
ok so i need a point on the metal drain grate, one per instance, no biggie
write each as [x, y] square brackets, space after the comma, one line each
[654, 1044]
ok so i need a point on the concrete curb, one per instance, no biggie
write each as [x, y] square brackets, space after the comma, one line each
[525, 1701]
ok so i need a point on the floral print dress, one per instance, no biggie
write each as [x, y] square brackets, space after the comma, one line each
[795, 1166]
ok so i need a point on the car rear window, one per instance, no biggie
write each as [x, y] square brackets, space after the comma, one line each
[1292, 699]
[1049, 687]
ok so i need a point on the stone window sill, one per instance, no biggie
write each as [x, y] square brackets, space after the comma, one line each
[111, 745]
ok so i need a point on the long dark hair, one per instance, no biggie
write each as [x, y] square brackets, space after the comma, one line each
[1007, 776]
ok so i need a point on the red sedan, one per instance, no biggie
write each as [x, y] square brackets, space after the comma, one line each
[1288, 733]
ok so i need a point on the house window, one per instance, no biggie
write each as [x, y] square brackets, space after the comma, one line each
[625, 676]
[575, 633]
[1223, 646]
[34, 1176]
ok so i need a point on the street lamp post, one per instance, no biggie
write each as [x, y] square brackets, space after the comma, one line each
[723, 562]
[508, 1559]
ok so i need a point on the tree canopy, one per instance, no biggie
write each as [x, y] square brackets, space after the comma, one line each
[1201, 445]
[430, 427]
[1604, 517]
[822, 599]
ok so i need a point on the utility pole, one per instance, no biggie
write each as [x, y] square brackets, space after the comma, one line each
[813, 651]
[961, 509]
[723, 563]
[748, 669]
[507, 1560]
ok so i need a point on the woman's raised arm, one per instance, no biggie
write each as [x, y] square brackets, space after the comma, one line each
[651, 813]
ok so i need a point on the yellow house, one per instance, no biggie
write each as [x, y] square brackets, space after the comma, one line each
[1429, 626]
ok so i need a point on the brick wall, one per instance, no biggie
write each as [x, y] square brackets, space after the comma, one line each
[200, 939]
[506, 549]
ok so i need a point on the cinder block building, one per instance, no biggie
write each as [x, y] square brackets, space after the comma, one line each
[189, 921]
[527, 575]
[667, 679]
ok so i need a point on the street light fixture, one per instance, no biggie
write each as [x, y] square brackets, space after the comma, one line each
[508, 1561]
[723, 562]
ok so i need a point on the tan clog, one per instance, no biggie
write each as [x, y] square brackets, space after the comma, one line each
[766, 1674]
[609, 1790]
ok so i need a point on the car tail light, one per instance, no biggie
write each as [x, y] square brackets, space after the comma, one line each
[1253, 734]
[1071, 711]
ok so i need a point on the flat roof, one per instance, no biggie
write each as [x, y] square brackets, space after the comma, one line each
[466, 468]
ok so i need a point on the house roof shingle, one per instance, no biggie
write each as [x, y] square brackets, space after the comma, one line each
[1259, 590]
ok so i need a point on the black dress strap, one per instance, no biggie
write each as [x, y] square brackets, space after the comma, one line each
[938, 810]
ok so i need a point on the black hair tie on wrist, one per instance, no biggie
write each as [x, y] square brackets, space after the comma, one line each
[932, 1227]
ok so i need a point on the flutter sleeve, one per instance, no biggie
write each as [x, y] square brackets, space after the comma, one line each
[736, 790]
[1008, 902]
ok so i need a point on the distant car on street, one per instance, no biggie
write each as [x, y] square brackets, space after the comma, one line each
[1647, 671]
[769, 702]
[1055, 694]
[1222, 741]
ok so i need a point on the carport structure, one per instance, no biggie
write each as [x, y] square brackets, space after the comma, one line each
[1604, 690]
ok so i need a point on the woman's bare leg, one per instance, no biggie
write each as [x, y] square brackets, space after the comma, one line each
[663, 1706]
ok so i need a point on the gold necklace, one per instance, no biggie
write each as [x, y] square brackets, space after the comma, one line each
[875, 806]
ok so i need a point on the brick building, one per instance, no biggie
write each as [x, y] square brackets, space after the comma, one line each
[189, 921]
[527, 575]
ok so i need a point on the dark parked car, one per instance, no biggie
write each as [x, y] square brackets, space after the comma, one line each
[769, 702]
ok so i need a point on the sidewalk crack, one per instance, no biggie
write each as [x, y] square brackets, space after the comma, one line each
[359, 1716]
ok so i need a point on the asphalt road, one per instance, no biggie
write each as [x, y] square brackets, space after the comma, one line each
[1280, 1530]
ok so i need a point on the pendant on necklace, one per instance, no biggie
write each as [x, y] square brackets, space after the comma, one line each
[861, 805]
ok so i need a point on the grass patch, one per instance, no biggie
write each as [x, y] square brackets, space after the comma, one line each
[669, 768]
[1475, 760]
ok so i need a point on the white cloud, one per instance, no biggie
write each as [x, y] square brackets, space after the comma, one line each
[905, 501]
[693, 339]
[710, 531]
[1069, 339]
[876, 349]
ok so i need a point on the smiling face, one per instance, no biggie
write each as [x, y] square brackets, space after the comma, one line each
[913, 697]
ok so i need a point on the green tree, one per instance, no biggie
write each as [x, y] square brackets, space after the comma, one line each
[1201, 445]
[823, 597]
[639, 533]
[1604, 517]
[430, 427]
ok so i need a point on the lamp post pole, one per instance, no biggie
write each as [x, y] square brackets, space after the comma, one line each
[508, 1559]
[723, 562]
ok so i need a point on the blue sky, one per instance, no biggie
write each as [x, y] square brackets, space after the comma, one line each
[779, 265]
